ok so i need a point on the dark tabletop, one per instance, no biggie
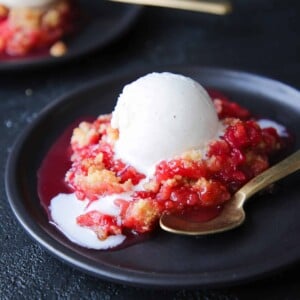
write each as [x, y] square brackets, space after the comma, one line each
[260, 37]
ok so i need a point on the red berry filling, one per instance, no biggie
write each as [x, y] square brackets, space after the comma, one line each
[190, 182]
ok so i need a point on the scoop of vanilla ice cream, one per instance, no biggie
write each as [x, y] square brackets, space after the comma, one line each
[26, 3]
[162, 115]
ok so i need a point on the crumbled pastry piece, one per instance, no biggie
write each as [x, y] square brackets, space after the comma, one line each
[58, 49]
[52, 18]
[26, 18]
[83, 134]
[3, 11]
[102, 225]
[141, 215]
[92, 179]
[192, 155]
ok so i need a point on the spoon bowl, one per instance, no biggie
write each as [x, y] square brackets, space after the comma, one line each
[232, 214]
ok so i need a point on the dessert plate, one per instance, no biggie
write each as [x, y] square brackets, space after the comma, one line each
[101, 23]
[267, 242]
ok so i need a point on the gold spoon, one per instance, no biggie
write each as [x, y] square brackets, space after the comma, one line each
[218, 7]
[233, 213]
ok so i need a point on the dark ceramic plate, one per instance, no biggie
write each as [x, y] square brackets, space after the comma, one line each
[101, 23]
[267, 242]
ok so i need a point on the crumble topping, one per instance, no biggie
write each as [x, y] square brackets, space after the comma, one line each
[188, 182]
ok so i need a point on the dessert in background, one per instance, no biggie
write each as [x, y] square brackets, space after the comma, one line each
[169, 146]
[33, 26]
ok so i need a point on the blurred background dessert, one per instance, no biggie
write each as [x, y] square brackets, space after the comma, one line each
[33, 26]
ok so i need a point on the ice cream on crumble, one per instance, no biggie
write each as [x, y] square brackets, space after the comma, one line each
[121, 187]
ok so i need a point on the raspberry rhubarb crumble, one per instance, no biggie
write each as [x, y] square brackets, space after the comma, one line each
[169, 146]
[34, 26]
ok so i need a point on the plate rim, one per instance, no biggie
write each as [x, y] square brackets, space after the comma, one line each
[129, 276]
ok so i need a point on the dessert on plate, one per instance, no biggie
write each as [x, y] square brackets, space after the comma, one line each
[32, 26]
[169, 146]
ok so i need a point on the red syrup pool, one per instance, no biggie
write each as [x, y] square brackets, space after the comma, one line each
[52, 172]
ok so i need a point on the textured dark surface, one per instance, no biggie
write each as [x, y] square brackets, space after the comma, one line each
[261, 37]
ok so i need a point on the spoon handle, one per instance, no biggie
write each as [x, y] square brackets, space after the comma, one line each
[285, 167]
[218, 7]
